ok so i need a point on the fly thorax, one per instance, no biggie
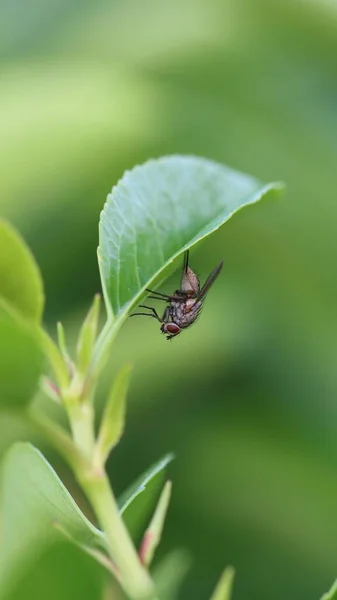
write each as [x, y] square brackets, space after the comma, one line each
[189, 304]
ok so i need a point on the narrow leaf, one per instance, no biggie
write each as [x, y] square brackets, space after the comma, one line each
[112, 425]
[20, 280]
[153, 533]
[87, 336]
[55, 359]
[139, 501]
[159, 209]
[50, 389]
[331, 594]
[35, 504]
[223, 590]
[139, 486]
[61, 338]
[170, 573]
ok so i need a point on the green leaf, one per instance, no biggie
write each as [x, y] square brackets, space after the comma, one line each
[113, 418]
[20, 280]
[62, 344]
[154, 531]
[159, 209]
[331, 594]
[87, 336]
[21, 361]
[170, 573]
[223, 590]
[56, 360]
[138, 502]
[63, 572]
[37, 510]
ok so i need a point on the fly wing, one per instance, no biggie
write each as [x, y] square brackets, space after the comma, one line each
[209, 281]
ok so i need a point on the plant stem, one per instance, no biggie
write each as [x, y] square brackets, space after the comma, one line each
[134, 578]
[81, 417]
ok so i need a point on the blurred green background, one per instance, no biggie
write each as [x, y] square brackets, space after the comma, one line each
[247, 399]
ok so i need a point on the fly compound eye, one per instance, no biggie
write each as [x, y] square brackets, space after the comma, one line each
[172, 328]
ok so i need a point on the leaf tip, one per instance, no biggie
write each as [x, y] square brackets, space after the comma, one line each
[223, 590]
[153, 533]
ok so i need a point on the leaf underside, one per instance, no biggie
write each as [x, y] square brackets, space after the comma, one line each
[158, 210]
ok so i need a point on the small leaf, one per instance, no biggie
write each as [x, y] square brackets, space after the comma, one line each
[331, 594]
[61, 338]
[87, 337]
[159, 209]
[21, 361]
[113, 418]
[141, 482]
[153, 533]
[170, 573]
[35, 507]
[20, 280]
[138, 502]
[50, 389]
[56, 361]
[223, 590]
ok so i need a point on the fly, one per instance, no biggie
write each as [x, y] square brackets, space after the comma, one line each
[184, 306]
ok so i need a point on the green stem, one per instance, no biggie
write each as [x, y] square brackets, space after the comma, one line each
[81, 417]
[134, 578]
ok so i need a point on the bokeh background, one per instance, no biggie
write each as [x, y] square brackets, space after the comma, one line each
[247, 399]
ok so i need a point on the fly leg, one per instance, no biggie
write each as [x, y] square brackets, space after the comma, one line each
[181, 298]
[166, 297]
[158, 294]
[159, 298]
[186, 259]
[153, 313]
[166, 315]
